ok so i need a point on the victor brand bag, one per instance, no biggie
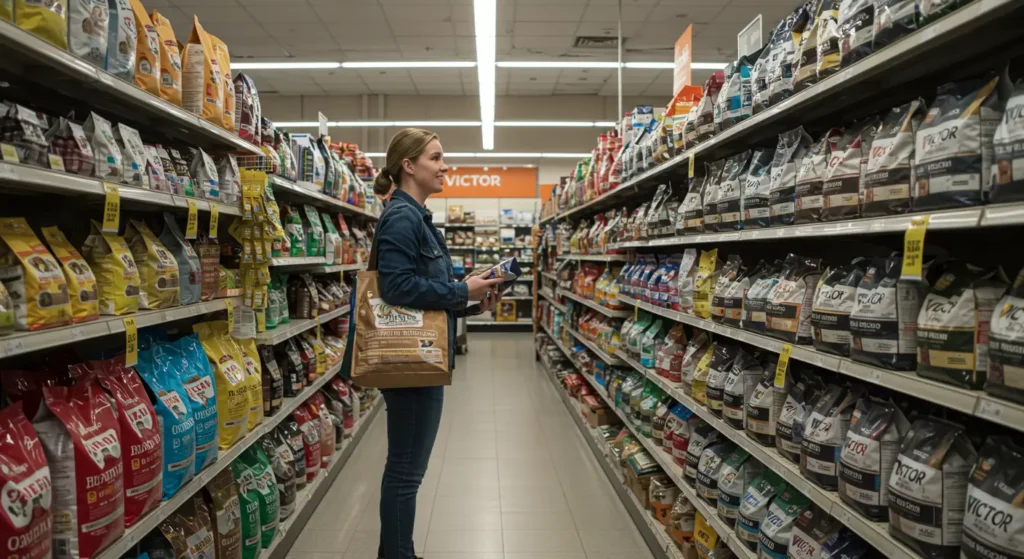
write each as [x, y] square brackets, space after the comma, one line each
[28, 491]
[993, 525]
[708, 468]
[776, 528]
[743, 376]
[697, 385]
[805, 73]
[824, 433]
[718, 370]
[954, 145]
[789, 154]
[829, 54]
[710, 196]
[756, 189]
[834, 299]
[691, 211]
[788, 310]
[953, 325]
[758, 496]
[800, 396]
[177, 422]
[1006, 345]
[80, 279]
[856, 28]
[883, 323]
[876, 433]
[811, 176]
[79, 433]
[761, 416]
[730, 200]
[889, 175]
[730, 271]
[735, 475]
[702, 436]
[841, 191]
[222, 497]
[33, 278]
[928, 487]
[1009, 150]
[755, 300]
[813, 530]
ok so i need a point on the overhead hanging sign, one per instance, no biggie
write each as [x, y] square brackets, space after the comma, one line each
[681, 74]
[322, 121]
[749, 39]
[490, 182]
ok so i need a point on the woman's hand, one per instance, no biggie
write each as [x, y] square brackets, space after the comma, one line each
[478, 287]
[490, 301]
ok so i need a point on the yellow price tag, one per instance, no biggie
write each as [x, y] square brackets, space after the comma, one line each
[318, 338]
[214, 219]
[56, 163]
[913, 247]
[636, 312]
[229, 305]
[261, 320]
[690, 173]
[10, 154]
[192, 225]
[783, 365]
[111, 208]
[131, 342]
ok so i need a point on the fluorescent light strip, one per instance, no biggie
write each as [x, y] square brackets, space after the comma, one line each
[539, 65]
[402, 64]
[450, 124]
[523, 64]
[555, 123]
[485, 22]
[285, 65]
[495, 154]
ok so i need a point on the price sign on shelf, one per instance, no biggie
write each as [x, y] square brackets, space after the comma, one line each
[9, 153]
[214, 219]
[229, 305]
[913, 248]
[690, 173]
[261, 320]
[783, 365]
[56, 163]
[318, 338]
[111, 208]
[192, 225]
[131, 342]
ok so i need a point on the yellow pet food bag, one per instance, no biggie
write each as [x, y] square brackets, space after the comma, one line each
[230, 377]
[254, 378]
[147, 51]
[227, 84]
[201, 90]
[46, 20]
[158, 270]
[116, 275]
[7, 10]
[33, 278]
[85, 305]
[170, 60]
[705, 539]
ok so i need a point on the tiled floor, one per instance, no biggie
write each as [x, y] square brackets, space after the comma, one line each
[510, 477]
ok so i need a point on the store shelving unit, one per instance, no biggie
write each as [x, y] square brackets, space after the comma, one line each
[298, 326]
[593, 305]
[310, 193]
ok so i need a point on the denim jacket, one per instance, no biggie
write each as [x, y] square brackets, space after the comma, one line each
[414, 267]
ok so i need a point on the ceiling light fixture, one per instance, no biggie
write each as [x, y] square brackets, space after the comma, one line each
[403, 64]
[285, 65]
[448, 124]
[555, 123]
[485, 21]
[499, 155]
[537, 65]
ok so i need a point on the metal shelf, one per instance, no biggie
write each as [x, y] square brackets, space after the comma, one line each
[289, 261]
[551, 276]
[310, 193]
[26, 342]
[332, 268]
[594, 257]
[297, 326]
[591, 304]
[601, 354]
[547, 294]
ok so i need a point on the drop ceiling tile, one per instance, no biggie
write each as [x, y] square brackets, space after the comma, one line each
[550, 2]
[684, 14]
[365, 38]
[426, 42]
[417, 12]
[608, 29]
[635, 13]
[549, 13]
[454, 89]
[412, 27]
[465, 29]
[462, 13]
[348, 15]
[220, 14]
[739, 16]
[544, 28]
[259, 50]
[434, 3]
[543, 43]
[357, 88]
[436, 76]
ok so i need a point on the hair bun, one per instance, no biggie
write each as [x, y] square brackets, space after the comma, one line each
[382, 183]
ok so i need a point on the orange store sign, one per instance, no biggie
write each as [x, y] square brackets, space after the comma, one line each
[494, 182]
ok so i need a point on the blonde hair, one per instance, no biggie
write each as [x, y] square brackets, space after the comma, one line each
[408, 143]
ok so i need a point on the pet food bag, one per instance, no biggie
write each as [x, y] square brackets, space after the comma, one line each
[155, 170]
[158, 370]
[743, 377]
[735, 475]
[249, 506]
[876, 433]
[230, 378]
[773, 542]
[889, 174]
[824, 432]
[811, 176]
[253, 381]
[147, 51]
[44, 20]
[841, 191]
[158, 271]
[757, 498]
[227, 84]
[221, 495]
[122, 40]
[856, 30]
[310, 427]
[26, 524]
[197, 378]
[201, 91]
[993, 520]
[142, 447]
[928, 487]
[189, 268]
[800, 397]
[761, 415]
[36, 283]
[108, 162]
[283, 463]
[133, 155]
[88, 29]
[730, 192]
[789, 154]
[81, 282]
[788, 312]
[834, 299]
[708, 543]
[259, 475]
[187, 532]
[883, 322]
[116, 274]
[1006, 345]
[813, 530]
[1009, 150]
[708, 469]
[170, 59]
[247, 109]
[756, 189]
[205, 175]
[67, 139]
[25, 130]
[293, 434]
[80, 435]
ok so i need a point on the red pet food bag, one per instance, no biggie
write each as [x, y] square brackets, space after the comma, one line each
[317, 405]
[25, 522]
[80, 435]
[140, 438]
[310, 428]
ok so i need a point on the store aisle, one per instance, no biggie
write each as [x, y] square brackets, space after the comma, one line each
[511, 476]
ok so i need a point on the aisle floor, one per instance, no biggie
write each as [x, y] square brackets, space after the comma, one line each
[510, 478]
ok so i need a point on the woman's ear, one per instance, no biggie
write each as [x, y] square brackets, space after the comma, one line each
[408, 166]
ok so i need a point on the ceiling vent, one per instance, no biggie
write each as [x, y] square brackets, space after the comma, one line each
[596, 42]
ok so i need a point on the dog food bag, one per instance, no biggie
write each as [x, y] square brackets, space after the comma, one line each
[801, 396]
[928, 487]
[122, 40]
[205, 176]
[733, 103]
[856, 29]
[811, 177]
[834, 299]
[707, 276]
[187, 532]
[1009, 150]
[108, 159]
[133, 155]
[992, 522]
[39, 292]
[813, 530]
[221, 495]
[80, 279]
[26, 525]
[201, 91]
[158, 369]
[824, 433]
[788, 311]
[773, 541]
[227, 84]
[708, 543]
[894, 19]
[25, 130]
[805, 73]
[317, 406]
[710, 196]
[197, 378]
[876, 433]
[761, 416]
[209, 261]
[953, 325]
[931, 10]
[249, 506]
[186, 185]
[147, 51]
[841, 191]
[258, 466]
[883, 322]
[718, 370]
[735, 475]
[729, 206]
[80, 435]
[229, 181]
[158, 271]
[889, 175]
[789, 154]
[708, 468]
[759, 76]
[756, 187]
[44, 21]
[273, 381]
[829, 53]
[283, 463]
[758, 496]
[189, 268]
[141, 440]
[290, 428]
[310, 428]
[755, 300]
[88, 30]
[155, 170]
[67, 139]
[954, 151]
[254, 380]
[743, 376]
[170, 59]
[230, 379]
[1006, 345]
[247, 109]
[702, 436]
[696, 385]
[691, 211]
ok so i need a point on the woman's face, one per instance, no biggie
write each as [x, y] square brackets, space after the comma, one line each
[429, 168]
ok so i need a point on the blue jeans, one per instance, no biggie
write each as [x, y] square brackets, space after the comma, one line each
[414, 415]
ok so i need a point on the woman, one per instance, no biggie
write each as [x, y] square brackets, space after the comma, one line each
[414, 269]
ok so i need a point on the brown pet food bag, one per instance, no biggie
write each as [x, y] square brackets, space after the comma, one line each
[170, 60]
[147, 51]
[222, 498]
[201, 92]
